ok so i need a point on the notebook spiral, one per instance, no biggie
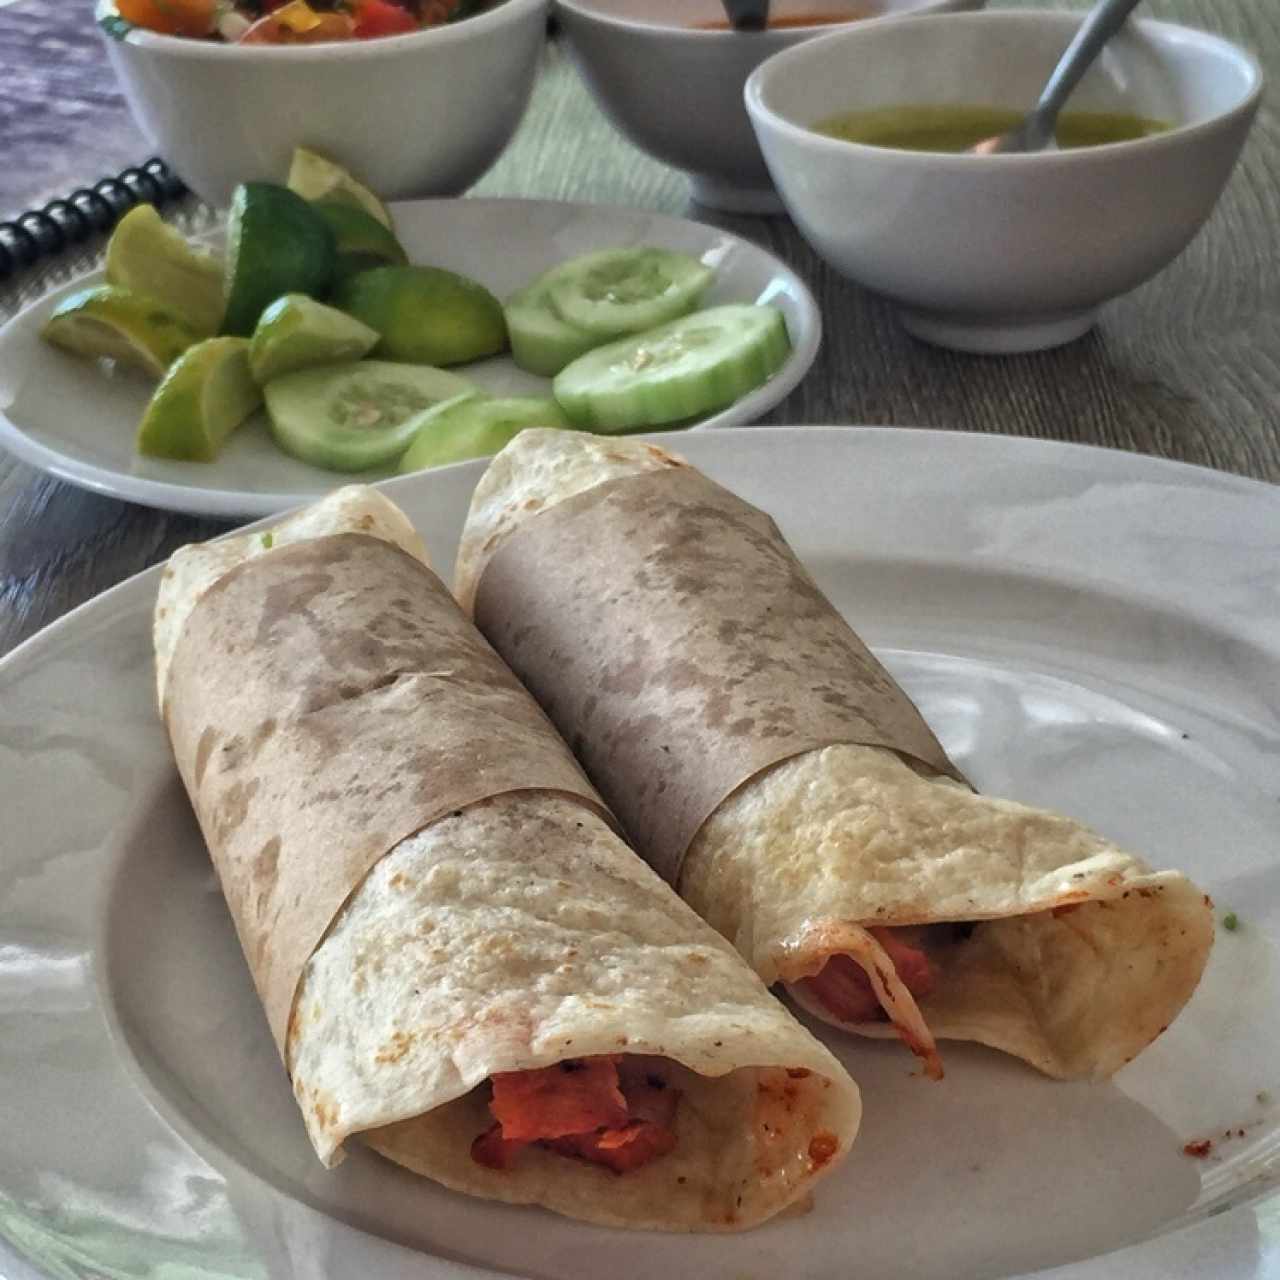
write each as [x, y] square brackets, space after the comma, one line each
[85, 212]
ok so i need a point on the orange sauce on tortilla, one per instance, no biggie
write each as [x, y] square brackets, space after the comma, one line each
[791, 20]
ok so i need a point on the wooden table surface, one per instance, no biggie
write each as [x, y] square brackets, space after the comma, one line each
[1186, 367]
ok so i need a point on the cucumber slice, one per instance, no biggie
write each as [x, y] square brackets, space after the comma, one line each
[475, 427]
[577, 305]
[355, 415]
[617, 291]
[541, 342]
[679, 370]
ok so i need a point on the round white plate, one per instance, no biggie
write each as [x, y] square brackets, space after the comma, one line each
[65, 416]
[1090, 630]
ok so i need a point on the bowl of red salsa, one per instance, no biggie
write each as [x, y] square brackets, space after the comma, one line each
[669, 74]
[418, 96]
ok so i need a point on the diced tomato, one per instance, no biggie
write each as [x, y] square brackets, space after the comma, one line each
[845, 990]
[494, 1151]
[582, 1108]
[171, 17]
[382, 18]
[575, 1096]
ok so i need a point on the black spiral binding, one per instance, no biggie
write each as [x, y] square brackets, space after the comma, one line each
[83, 213]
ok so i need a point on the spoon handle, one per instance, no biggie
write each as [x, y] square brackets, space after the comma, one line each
[1103, 22]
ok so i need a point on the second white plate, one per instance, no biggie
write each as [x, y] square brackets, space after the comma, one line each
[66, 417]
[1091, 631]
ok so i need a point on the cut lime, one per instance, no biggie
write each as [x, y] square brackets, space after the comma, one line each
[357, 415]
[276, 244]
[361, 241]
[315, 177]
[107, 321]
[475, 427]
[148, 256]
[425, 315]
[296, 331]
[207, 394]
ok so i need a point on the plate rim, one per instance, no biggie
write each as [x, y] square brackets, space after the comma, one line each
[166, 495]
[1105, 454]
[1104, 461]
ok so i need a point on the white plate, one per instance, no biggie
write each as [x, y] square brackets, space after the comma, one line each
[65, 416]
[1090, 630]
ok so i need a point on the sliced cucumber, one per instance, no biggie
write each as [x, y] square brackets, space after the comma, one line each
[355, 415]
[579, 304]
[541, 342]
[679, 370]
[475, 427]
[618, 291]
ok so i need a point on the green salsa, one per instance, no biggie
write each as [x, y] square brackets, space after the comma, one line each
[951, 128]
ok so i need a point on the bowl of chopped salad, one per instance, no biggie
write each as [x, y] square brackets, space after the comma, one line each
[420, 95]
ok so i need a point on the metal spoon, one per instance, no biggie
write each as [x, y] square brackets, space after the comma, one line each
[747, 15]
[1035, 132]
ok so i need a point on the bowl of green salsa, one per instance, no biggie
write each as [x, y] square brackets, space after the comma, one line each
[866, 134]
[959, 128]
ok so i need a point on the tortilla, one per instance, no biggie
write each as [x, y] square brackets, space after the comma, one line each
[1079, 954]
[430, 895]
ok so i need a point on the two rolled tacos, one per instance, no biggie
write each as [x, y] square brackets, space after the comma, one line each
[771, 769]
[461, 963]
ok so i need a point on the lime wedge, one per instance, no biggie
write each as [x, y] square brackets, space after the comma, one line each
[315, 177]
[207, 394]
[276, 244]
[106, 321]
[296, 331]
[425, 315]
[150, 257]
[361, 241]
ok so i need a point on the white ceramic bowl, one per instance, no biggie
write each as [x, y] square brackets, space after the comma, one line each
[676, 90]
[1009, 252]
[423, 114]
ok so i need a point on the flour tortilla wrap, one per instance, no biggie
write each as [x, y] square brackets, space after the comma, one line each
[484, 917]
[1013, 927]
